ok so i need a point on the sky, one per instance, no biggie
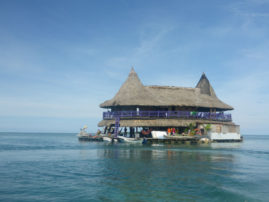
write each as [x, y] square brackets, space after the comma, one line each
[60, 59]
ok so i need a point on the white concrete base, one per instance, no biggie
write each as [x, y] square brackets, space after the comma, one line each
[224, 136]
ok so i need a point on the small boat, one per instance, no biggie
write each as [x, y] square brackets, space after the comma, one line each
[130, 140]
[204, 140]
[83, 133]
[109, 139]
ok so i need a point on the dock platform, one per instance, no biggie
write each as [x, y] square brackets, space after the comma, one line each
[170, 140]
[174, 140]
[91, 139]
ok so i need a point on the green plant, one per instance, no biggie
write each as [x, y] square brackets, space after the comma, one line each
[207, 127]
[190, 129]
[191, 126]
[192, 132]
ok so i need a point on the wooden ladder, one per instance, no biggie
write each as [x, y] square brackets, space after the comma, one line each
[117, 125]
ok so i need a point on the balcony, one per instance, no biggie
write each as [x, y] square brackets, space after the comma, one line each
[218, 116]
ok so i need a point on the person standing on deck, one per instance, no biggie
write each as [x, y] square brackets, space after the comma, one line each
[131, 131]
[125, 131]
[173, 131]
[169, 131]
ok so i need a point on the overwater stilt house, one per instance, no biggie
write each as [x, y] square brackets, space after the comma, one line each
[161, 107]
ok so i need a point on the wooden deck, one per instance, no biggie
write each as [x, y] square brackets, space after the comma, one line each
[170, 140]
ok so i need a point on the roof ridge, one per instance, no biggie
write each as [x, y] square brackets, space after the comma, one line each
[157, 86]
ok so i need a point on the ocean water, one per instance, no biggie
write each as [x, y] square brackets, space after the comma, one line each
[57, 167]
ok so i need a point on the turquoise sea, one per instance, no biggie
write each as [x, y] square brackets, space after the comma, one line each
[57, 167]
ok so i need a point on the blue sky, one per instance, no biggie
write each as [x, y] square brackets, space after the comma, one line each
[60, 59]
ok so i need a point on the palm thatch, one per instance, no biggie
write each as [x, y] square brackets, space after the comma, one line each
[134, 93]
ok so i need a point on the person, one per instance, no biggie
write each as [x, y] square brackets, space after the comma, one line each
[202, 131]
[173, 131]
[105, 130]
[98, 132]
[125, 131]
[131, 132]
[169, 131]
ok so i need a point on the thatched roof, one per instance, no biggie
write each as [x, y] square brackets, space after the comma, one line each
[134, 93]
[159, 123]
[131, 93]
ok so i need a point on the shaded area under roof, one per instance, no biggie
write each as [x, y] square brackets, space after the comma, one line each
[159, 123]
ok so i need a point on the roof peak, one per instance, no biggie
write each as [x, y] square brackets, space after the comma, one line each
[131, 91]
[132, 71]
[205, 86]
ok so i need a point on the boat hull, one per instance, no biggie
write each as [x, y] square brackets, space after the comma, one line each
[107, 139]
[130, 140]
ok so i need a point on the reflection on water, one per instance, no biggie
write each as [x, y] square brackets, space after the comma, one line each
[166, 152]
[174, 172]
[226, 145]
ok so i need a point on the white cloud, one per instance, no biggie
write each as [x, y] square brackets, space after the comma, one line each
[151, 35]
[247, 91]
[250, 9]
